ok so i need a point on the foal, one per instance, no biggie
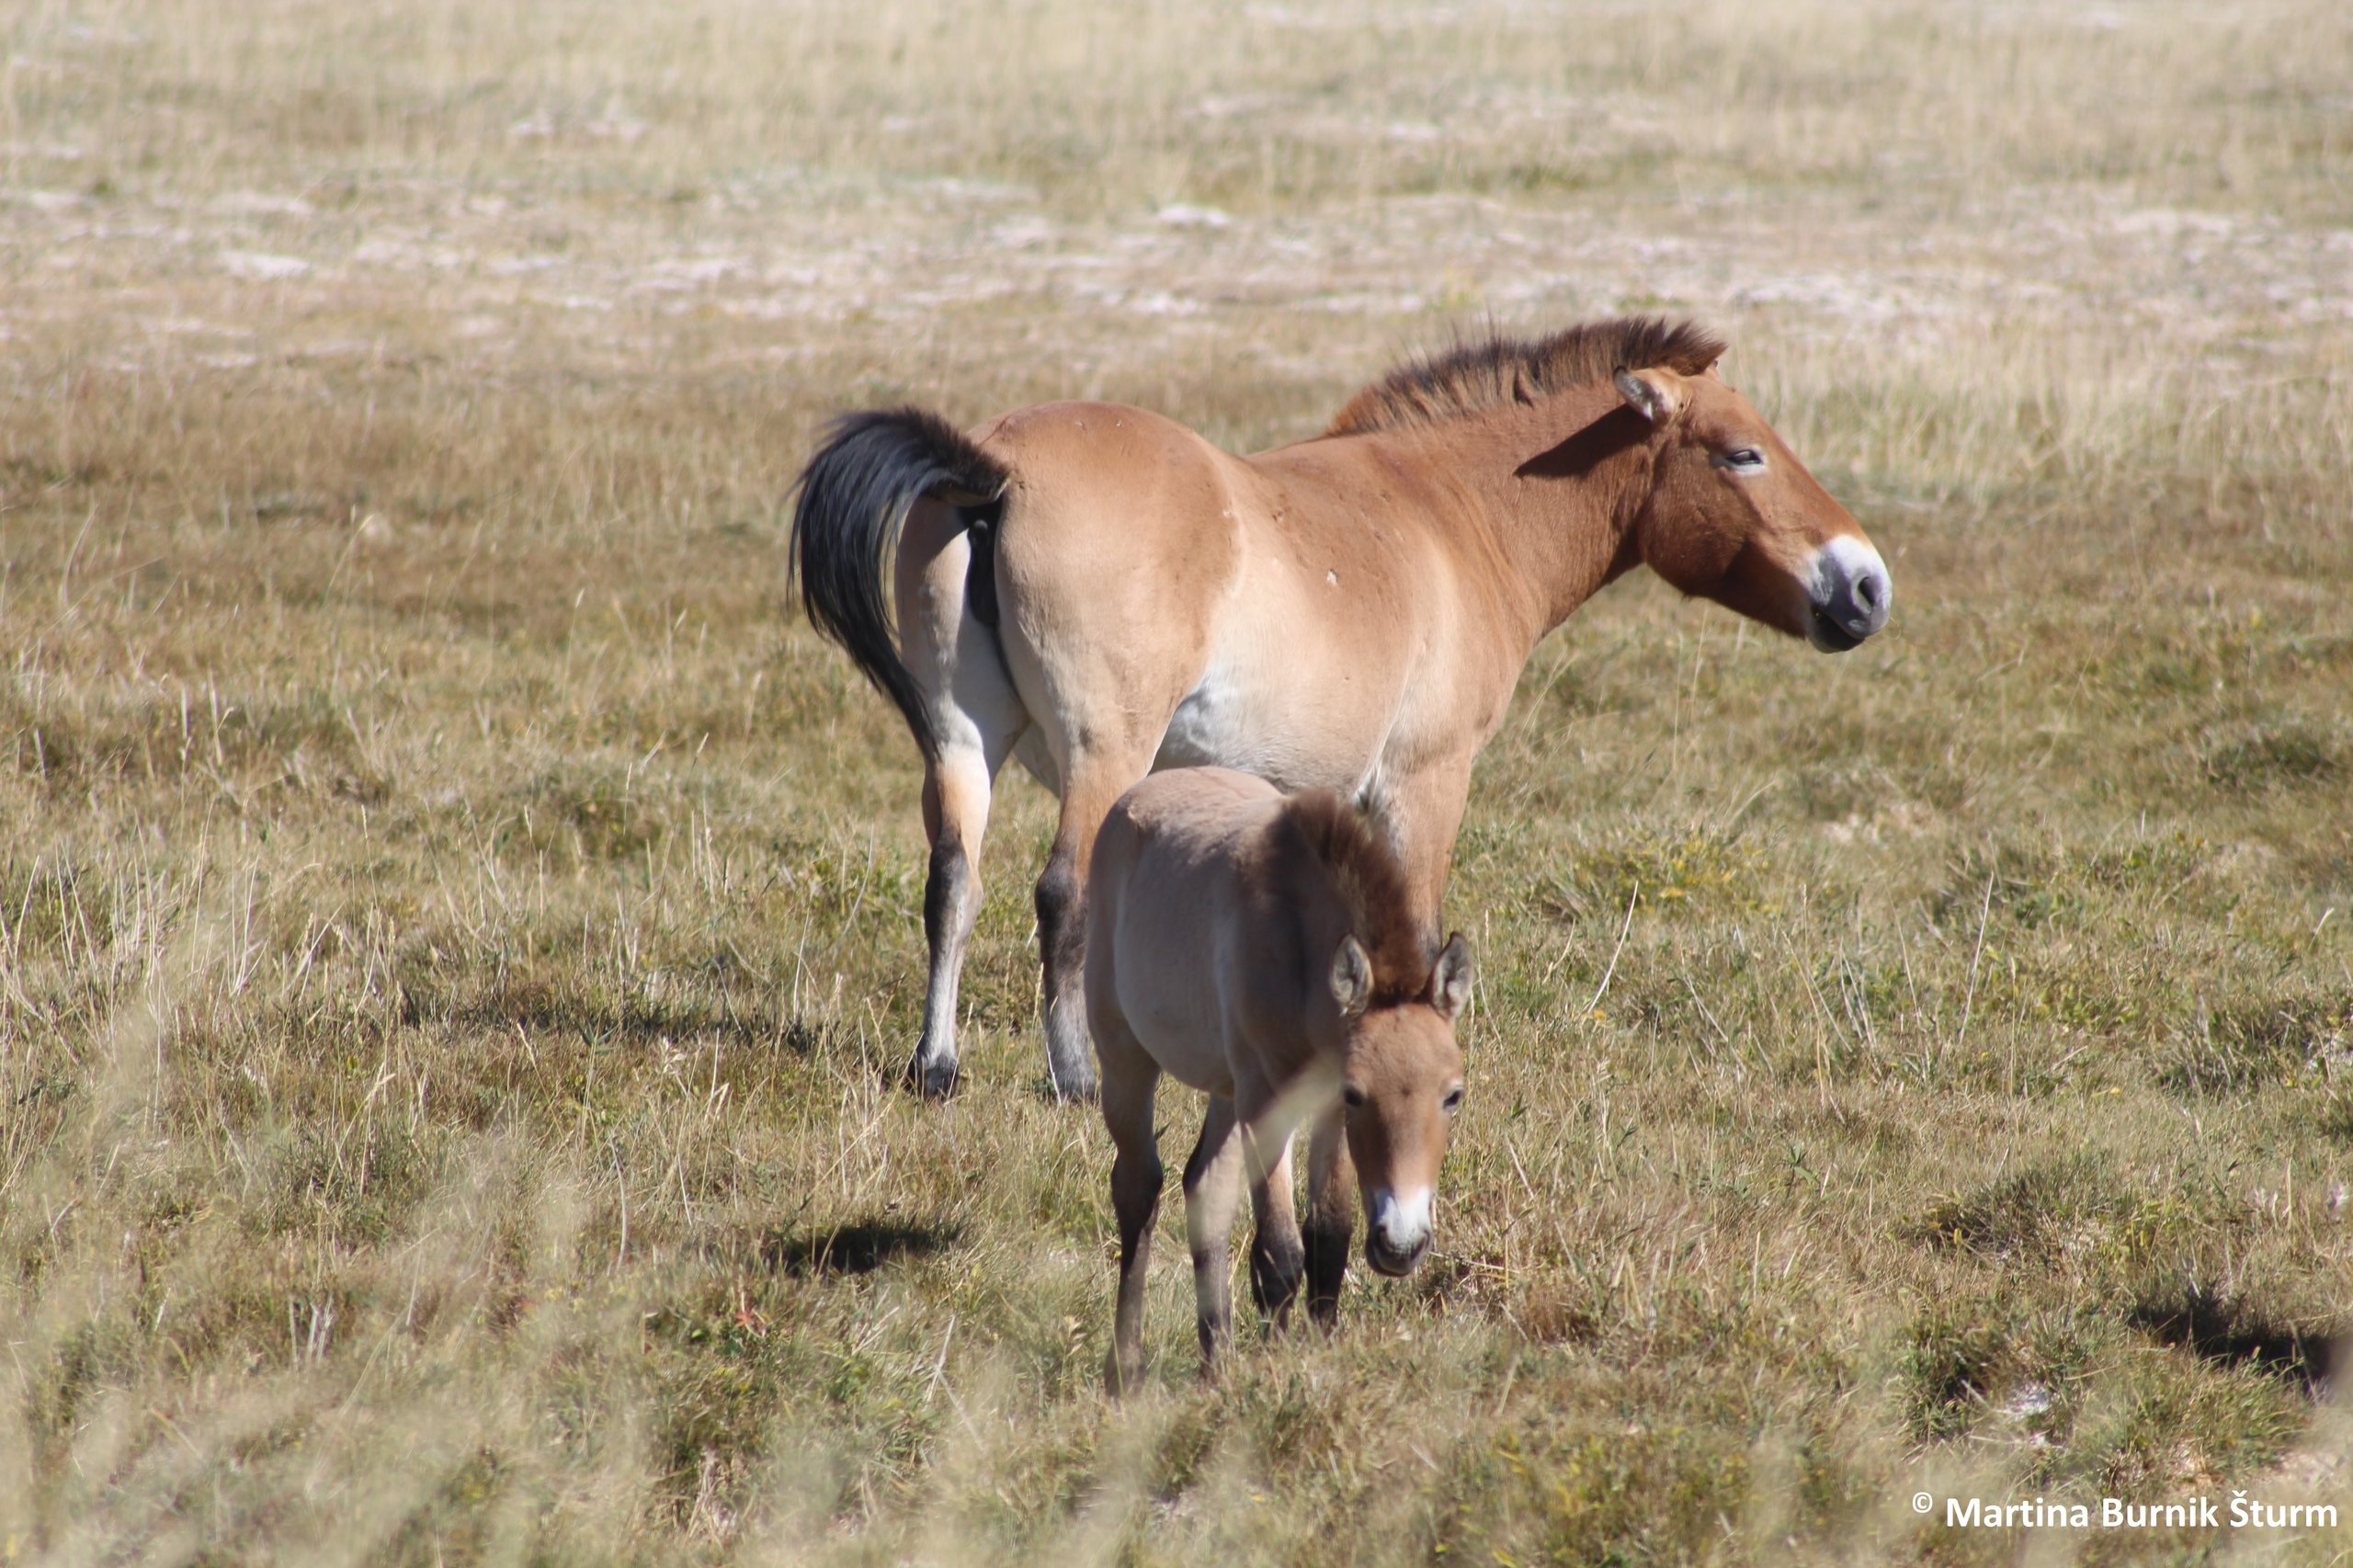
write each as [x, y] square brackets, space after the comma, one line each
[1264, 949]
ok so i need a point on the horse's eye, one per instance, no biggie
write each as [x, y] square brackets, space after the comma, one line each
[1453, 1101]
[1744, 457]
[1353, 1097]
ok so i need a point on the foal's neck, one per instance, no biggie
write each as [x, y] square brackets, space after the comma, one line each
[1551, 492]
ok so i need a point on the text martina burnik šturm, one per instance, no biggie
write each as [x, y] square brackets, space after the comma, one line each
[2239, 1511]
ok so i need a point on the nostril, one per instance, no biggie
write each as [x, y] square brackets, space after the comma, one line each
[1869, 590]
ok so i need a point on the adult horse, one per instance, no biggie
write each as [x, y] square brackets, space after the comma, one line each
[1099, 592]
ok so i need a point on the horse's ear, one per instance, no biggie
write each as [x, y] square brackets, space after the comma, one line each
[1351, 978]
[1450, 978]
[1656, 395]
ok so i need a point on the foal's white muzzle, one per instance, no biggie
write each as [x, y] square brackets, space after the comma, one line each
[1850, 595]
[1397, 1230]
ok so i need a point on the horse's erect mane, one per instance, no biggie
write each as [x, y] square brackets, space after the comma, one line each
[1474, 377]
[1371, 884]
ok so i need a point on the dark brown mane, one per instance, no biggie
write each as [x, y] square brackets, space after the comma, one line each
[1475, 377]
[1371, 884]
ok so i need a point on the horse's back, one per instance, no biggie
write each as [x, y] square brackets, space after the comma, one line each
[1088, 464]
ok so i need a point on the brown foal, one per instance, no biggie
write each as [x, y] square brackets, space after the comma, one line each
[1265, 949]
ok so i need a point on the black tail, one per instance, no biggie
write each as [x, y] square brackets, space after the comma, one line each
[854, 498]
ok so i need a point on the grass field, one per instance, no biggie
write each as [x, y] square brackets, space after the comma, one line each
[458, 927]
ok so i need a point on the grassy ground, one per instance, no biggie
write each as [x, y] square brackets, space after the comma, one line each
[457, 927]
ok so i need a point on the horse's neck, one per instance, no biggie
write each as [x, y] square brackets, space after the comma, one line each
[1547, 493]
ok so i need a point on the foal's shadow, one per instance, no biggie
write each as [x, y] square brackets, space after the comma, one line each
[860, 1247]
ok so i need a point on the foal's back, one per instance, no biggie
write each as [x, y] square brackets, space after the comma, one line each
[1204, 906]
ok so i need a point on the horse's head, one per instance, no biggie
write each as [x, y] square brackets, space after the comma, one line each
[1733, 516]
[1402, 1082]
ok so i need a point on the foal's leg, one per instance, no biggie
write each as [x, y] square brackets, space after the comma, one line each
[1130, 1078]
[1277, 1256]
[1212, 1185]
[974, 716]
[1331, 1214]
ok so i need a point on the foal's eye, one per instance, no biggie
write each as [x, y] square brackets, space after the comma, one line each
[1744, 457]
[1353, 1097]
[1453, 1101]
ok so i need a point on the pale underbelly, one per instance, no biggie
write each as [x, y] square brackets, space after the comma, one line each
[1279, 737]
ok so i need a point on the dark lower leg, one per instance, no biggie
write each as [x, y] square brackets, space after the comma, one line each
[1062, 942]
[1331, 1218]
[1135, 1198]
[1277, 1257]
[951, 898]
[1277, 1262]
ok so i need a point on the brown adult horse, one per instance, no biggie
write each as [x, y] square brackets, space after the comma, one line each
[1099, 592]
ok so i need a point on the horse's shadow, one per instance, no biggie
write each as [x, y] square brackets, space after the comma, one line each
[859, 1247]
[2197, 1320]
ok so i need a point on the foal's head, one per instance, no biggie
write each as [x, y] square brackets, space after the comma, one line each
[1402, 1080]
[1733, 516]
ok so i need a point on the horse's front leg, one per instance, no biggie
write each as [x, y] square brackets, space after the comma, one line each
[1331, 1214]
[1212, 1186]
[1278, 1257]
[1421, 814]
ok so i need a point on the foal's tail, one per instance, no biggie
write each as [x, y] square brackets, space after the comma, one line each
[855, 493]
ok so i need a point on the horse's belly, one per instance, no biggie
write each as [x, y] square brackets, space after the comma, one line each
[1171, 1004]
[1188, 1043]
[1210, 728]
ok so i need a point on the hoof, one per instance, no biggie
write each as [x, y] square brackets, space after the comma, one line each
[1072, 1086]
[933, 1080]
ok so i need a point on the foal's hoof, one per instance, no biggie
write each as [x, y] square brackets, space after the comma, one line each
[933, 1080]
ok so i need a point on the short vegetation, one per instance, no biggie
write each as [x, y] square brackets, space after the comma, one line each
[459, 929]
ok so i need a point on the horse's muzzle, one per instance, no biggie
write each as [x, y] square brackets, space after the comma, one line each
[1849, 597]
[1396, 1233]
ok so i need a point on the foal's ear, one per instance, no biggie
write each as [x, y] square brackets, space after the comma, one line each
[1351, 978]
[1450, 978]
[1656, 395]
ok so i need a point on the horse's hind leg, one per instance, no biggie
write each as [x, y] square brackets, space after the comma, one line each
[956, 789]
[976, 718]
[1091, 783]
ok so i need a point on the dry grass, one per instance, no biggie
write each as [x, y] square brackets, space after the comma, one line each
[458, 925]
